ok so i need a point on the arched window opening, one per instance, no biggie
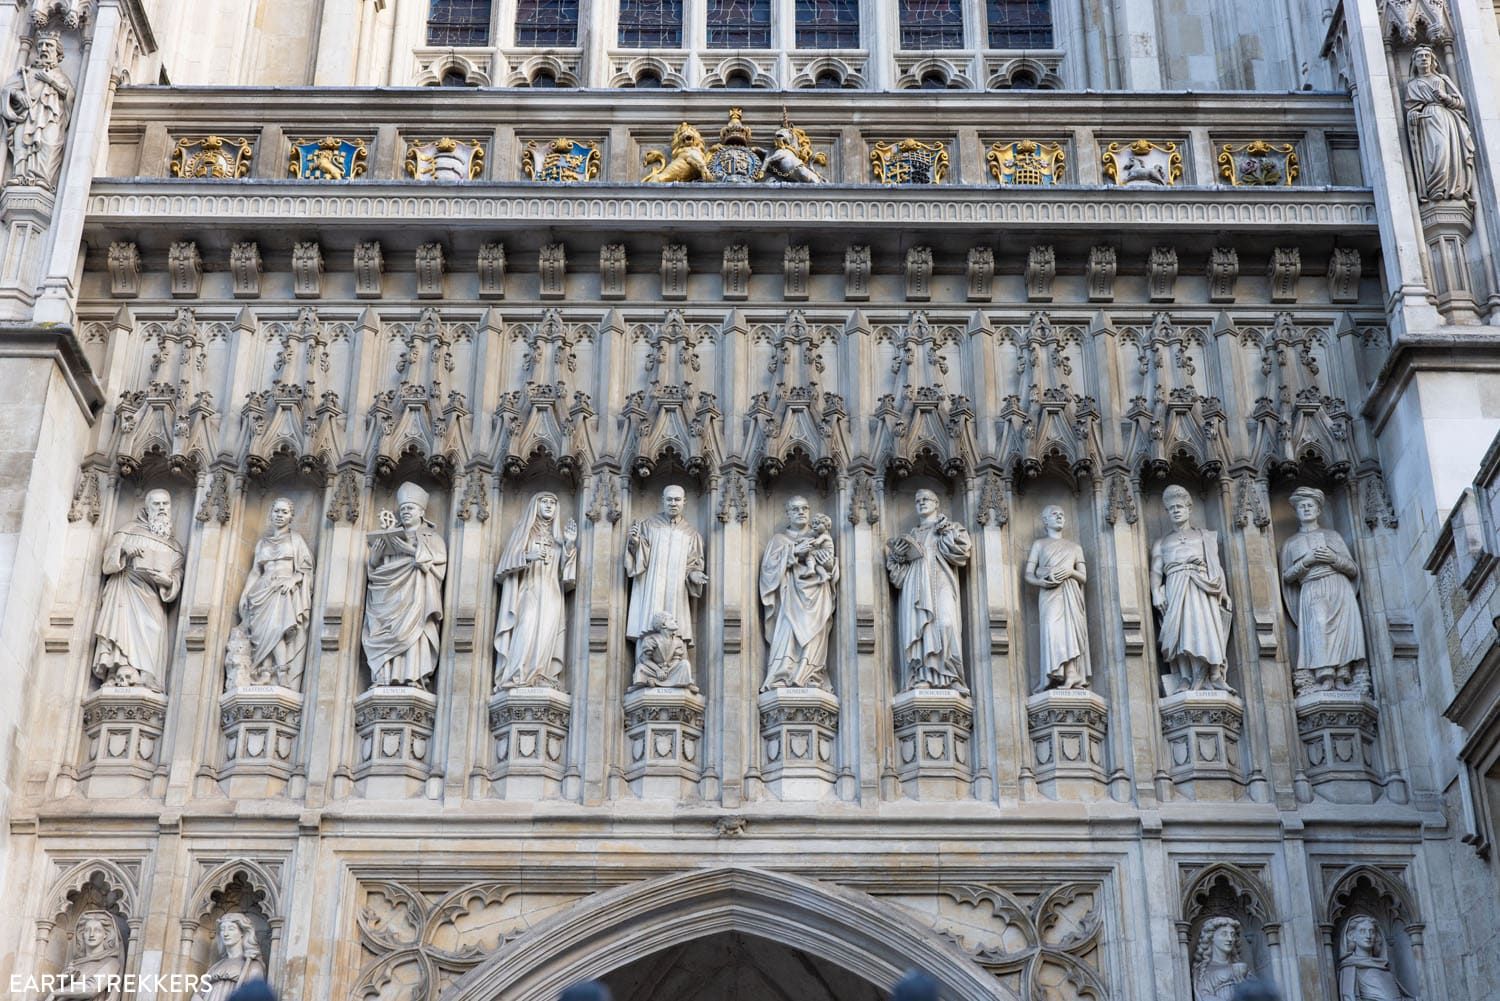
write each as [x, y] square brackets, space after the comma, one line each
[547, 23]
[739, 24]
[932, 24]
[828, 24]
[544, 78]
[738, 80]
[454, 78]
[648, 80]
[650, 24]
[1020, 24]
[934, 80]
[828, 80]
[1023, 80]
[458, 22]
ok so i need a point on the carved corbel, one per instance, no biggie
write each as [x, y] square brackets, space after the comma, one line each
[186, 269]
[612, 271]
[1041, 269]
[1101, 274]
[674, 271]
[1283, 271]
[796, 265]
[124, 270]
[1343, 275]
[857, 274]
[369, 264]
[552, 266]
[736, 272]
[244, 269]
[1161, 272]
[491, 271]
[1223, 272]
[307, 270]
[919, 274]
[981, 274]
[429, 265]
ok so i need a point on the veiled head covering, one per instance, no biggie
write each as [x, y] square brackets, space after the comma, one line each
[513, 557]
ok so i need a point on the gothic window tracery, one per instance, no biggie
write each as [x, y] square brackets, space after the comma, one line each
[739, 24]
[458, 22]
[650, 24]
[932, 24]
[827, 24]
[547, 23]
[1019, 24]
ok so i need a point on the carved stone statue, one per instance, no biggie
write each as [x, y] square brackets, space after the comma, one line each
[1055, 566]
[239, 959]
[35, 106]
[1442, 145]
[1216, 967]
[276, 605]
[661, 656]
[1364, 971]
[664, 560]
[143, 565]
[793, 158]
[1319, 573]
[799, 575]
[404, 600]
[924, 564]
[539, 561]
[95, 960]
[689, 160]
[1189, 590]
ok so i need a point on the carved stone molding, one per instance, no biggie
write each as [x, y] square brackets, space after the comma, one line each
[798, 728]
[530, 731]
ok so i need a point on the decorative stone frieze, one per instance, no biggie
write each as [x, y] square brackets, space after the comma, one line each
[798, 729]
[1067, 728]
[934, 728]
[664, 742]
[530, 731]
[394, 726]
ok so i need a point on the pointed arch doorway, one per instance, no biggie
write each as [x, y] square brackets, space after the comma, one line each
[717, 920]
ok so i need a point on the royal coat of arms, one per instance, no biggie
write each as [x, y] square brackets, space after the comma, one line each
[562, 161]
[733, 160]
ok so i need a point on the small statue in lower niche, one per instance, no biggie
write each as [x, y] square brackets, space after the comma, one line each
[661, 657]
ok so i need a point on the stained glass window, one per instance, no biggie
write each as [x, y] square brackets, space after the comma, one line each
[1020, 24]
[547, 23]
[932, 24]
[650, 24]
[827, 24]
[458, 22]
[739, 24]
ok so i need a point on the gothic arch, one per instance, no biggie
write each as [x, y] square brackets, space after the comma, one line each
[612, 929]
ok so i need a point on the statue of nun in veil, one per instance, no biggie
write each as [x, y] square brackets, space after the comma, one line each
[540, 561]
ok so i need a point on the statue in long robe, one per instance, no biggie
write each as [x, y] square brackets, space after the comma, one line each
[1055, 566]
[239, 959]
[143, 565]
[1319, 573]
[664, 561]
[539, 562]
[276, 604]
[798, 577]
[1189, 590]
[924, 564]
[1442, 145]
[1216, 967]
[35, 106]
[1364, 971]
[404, 599]
[96, 960]
[661, 657]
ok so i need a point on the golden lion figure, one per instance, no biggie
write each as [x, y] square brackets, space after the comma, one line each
[689, 158]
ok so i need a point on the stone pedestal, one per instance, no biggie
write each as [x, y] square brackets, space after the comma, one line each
[664, 742]
[1447, 226]
[260, 724]
[124, 727]
[934, 727]
[25, 213]
[530, 727]
[1067, 728]
[394, 723]
[798, 727]
[1202, 730]
[1337, 731]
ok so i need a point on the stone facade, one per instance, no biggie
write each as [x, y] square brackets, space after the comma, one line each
[977, 429]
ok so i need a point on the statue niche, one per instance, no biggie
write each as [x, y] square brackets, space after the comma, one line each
[923, 564]
[269, 645]
[404, 598]
[1191, 594]
[143, 569]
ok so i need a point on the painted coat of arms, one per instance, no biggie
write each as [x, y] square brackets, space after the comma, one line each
[562, 161]
[329, 159]
[445, 159]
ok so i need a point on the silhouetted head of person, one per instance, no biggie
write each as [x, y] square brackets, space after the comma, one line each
[593, 990]
[253, 990]
[1255, 990]
[916, 986]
